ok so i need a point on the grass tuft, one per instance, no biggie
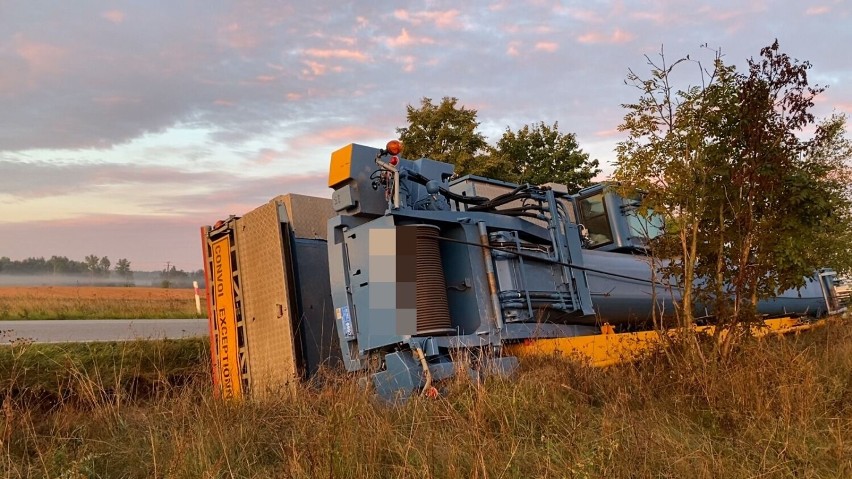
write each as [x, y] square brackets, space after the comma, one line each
[774, 408]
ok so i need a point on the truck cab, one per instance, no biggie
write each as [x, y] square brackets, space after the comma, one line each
[612, 222]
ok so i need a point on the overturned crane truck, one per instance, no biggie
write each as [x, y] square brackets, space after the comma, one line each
[411, 276]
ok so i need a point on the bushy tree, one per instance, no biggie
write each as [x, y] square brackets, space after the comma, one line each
[96, 266]
[535, 154]
[750, 201]
[540, 154]
[444, 132]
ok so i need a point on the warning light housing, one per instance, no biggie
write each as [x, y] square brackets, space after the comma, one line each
[394, 147]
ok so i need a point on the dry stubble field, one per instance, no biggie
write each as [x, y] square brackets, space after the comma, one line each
[93, 302]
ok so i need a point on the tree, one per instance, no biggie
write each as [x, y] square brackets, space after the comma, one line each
[103, 266]
[668, 156]
[122, 269]
[535, 154]
[749, 202]
[443, 132]
[542, 154]
[829, 156]
[92, 264]
[173, 277]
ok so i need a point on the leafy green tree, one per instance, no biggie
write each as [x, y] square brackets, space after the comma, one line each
[541, 154]
[534, 154]
[669, 156]
[829, 159]
[749, 201]
[443, 132]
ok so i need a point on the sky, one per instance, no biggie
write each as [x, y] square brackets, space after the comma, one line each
[125, 126]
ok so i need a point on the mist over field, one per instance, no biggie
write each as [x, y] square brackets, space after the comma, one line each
[56, 280]
[140, 278]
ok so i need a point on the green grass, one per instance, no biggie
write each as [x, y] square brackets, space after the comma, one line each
[775, 408]
[87, 373]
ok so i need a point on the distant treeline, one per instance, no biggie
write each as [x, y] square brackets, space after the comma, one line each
[92, 270]
[56, 264]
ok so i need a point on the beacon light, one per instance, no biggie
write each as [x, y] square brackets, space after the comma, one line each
[394, 147]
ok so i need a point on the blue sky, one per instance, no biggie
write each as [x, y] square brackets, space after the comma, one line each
[126, 125]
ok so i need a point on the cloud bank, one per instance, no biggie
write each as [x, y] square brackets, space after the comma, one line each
[125, 119]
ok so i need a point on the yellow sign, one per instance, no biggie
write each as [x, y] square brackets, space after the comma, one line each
[225, 319]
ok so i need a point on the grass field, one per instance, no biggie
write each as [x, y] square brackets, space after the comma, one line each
[92, 302]
[776, 408]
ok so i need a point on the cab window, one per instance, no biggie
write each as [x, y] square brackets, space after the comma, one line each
[594, 218]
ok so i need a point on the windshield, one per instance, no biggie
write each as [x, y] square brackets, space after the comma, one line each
[643, 223]
[594, 218]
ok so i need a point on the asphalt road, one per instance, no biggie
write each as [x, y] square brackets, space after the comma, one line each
[88, 330]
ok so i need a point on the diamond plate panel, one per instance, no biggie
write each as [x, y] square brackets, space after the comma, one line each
[266, 274]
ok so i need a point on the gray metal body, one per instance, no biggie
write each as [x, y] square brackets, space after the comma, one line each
[628, 296]
[492, 294]
[514, 262]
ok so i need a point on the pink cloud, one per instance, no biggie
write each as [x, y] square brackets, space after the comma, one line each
[239, 38]
[498, 6]
[114, 16]
[440, 19]
[336, 136]
[266, 156]
[114, 100]
[616, 37]
[314, 68]
[607, 133]
[41, 57]
[343, 53]
[512, 49]
[656, 17]
[549, 47]
[736, 17]
[407, 63]
[585, 16]
[404, 39]
[348, 41]
[222, 102]
[846, 107]
[318, 69]
[294, 96]
[264, 78]
[820, 10]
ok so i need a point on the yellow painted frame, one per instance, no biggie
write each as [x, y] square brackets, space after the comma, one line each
[609, 348]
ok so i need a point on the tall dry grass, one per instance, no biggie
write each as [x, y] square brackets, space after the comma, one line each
[775, 408]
